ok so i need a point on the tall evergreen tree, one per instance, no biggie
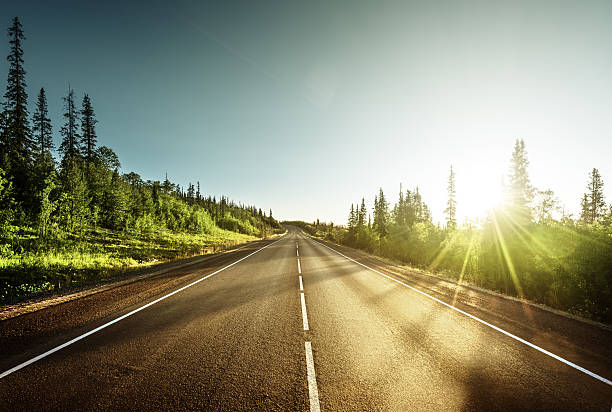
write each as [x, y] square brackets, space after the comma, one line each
[520, 190]
[41, 125]
[593, 202]
[362, 214]
[16, 140]
[71, 140]
[451, 204]
[585, 213]
[381, 214]
[352, 220]
[88, 129]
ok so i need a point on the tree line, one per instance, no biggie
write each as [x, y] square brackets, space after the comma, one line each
[82, 189]
[527, 246]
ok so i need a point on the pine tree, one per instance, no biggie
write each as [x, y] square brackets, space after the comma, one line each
[41, 125]
[381, 214]
[594, 205]
[585, 212]
[88, 129]
[15, 137]
[362, 214]
[520, 190]
[352, 220]
[451, 205]
[71, 140]
[190, 191]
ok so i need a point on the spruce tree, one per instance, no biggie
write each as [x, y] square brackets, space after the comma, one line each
[520, 189]
[352, 220]
[585, 212]
[596, 205]
[381, 214]
[451, 205]
[362, 214]
[16, 140]
[88, 129]
[41, 125]
[71, 140]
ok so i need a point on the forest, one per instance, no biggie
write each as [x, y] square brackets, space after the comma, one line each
[73, 219]
[526, 247]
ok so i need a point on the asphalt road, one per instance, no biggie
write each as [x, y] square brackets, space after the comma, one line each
[293, 325]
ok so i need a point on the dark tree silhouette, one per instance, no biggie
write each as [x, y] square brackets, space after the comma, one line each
[71, 140]
[16, 143]
[88, 129]
[41, 125]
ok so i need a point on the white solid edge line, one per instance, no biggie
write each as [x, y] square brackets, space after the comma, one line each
[301, 284]
[313, 392]
[304, 315]
[544, 351]
[99, 328]
[299, 267]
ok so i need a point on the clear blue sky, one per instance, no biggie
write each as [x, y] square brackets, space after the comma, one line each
[305, 107]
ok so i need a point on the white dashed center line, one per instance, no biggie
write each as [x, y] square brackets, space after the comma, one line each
[304, 315]
[313, 392]
[301, 284]
[299, 267]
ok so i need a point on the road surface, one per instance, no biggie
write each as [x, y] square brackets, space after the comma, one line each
[295, 324]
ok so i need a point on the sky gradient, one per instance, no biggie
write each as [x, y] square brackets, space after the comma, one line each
[305, 107]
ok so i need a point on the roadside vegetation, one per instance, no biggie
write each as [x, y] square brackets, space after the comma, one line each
[75, 218]
[526, 247]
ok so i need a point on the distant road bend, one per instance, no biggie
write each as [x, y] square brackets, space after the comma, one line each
[298, 324]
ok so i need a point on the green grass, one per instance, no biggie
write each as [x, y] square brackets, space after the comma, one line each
[29, 266]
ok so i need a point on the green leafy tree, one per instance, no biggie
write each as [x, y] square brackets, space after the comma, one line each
[73, 202]
[115, 204]
[547, 205]
[7, 201]
[108, 158]
[47, 205]
[451, 204]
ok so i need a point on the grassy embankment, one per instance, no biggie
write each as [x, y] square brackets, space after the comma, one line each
[29, 267]
[565, 268]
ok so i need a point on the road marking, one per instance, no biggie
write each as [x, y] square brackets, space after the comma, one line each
[313, 392]
[299, 267]
[304, 315]
[531, 345]
[99, 328]
[297, 251]
[301, 284]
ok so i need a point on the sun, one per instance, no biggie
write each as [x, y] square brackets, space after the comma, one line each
[474, 201]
